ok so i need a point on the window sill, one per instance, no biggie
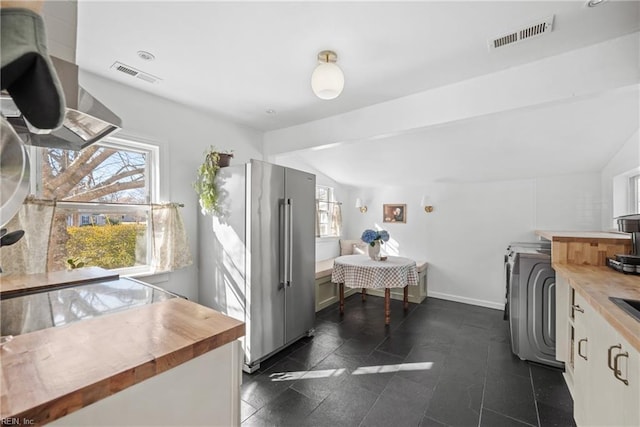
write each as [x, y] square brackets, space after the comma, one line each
[327, 239]
[143, 272]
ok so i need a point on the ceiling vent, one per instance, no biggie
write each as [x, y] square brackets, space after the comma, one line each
[126, 69]
[533, 30]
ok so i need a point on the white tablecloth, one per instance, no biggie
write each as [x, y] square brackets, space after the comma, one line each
[360, 271]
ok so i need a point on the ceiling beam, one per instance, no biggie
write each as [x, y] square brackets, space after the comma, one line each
[594, 69]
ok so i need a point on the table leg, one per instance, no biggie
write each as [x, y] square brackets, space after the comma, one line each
[387, 306]
[364, 294]
[341, 298]
[406, 297]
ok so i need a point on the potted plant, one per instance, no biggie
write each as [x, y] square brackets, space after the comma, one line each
[374, 239]
[205, 184]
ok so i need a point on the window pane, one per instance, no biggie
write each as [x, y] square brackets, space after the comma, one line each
[97, 173]
[325, 209]
[637, 192]
[103, 238]
[321, 193]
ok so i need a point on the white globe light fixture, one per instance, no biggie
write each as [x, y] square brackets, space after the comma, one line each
[327, 80]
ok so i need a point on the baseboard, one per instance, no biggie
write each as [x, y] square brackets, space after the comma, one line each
[472, 301]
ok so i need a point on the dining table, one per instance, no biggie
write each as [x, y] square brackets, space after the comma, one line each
[361, 271]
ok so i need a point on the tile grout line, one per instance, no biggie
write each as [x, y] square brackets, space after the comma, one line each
[484, 387]
[510, 417]
[535, 401]
[386, 385]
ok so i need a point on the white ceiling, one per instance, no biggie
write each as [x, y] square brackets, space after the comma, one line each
[560, 139]
[238, 59]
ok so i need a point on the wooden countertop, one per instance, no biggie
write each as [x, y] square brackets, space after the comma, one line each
[600, 236]
[52, 372]
[18, 284]
[596, 284]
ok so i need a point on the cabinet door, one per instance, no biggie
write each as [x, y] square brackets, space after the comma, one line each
[604, 405]
[602, 398]
[581, 368]
[562, 319]
[628, 393]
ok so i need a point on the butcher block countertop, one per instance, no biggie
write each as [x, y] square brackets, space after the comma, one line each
[51, 372]
[600, 236]
[596, 284]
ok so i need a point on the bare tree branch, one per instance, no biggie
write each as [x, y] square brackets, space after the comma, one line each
[79, 168]
[96, 193]
[93, 173]
[120, 175]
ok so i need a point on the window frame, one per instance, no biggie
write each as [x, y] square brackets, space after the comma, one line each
[152, 187]
[330, 201]
[634, 193]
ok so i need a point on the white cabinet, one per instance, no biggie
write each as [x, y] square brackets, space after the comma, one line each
[580, 354]
[606, 370]
[202, 391]
[562, 315]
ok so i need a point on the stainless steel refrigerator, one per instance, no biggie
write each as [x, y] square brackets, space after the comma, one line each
[257, 256]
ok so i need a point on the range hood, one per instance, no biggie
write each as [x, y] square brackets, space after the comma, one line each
[86, 120]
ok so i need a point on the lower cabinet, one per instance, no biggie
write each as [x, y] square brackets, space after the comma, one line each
[606, 370]
[327, 292]
[202, 391]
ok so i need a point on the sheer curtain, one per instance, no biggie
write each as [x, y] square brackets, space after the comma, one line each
[30, 254]
[336, 219]
[170, 245]
[43, 246]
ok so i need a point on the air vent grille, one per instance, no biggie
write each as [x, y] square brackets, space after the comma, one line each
[536, 29]
[130, 71]
[126, 70]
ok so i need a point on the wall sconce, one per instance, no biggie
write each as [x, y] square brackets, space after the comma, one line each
[360, 206]
[425, 204]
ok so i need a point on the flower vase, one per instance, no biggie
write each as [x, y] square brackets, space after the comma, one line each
[374, 250]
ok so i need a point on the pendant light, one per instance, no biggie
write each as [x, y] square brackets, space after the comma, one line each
[327, 80]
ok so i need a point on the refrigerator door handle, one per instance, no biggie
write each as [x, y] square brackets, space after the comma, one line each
[290, 259]
[282, 258]
[287, 241]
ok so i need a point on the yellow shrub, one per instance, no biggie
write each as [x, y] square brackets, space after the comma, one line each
[107, 246]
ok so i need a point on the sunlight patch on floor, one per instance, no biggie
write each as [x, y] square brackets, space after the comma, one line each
[383, 369]
[362, 370]
[292, 376]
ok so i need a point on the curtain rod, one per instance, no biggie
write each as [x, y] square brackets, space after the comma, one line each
[35, 200]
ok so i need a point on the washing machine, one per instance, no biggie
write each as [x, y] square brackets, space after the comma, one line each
[531, 302]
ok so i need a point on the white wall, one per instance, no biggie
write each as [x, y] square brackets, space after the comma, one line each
[614, 181]
[182, 134]
[465, 237]
[570, 202]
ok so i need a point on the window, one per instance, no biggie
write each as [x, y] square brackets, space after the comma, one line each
[328, 214]
[634, 193]
[103, 196]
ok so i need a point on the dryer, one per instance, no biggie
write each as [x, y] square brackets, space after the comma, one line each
[531, 302]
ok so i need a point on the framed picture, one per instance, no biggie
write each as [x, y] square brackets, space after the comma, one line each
[394, 213]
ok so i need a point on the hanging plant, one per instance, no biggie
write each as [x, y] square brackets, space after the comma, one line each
[205, 184]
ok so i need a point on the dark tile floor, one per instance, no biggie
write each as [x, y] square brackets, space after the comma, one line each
[439, 364]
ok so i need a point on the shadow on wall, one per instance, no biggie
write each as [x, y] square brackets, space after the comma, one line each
[226, 280]
[391, 247]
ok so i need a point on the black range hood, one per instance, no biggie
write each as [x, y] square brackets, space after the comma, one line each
[86, 120]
